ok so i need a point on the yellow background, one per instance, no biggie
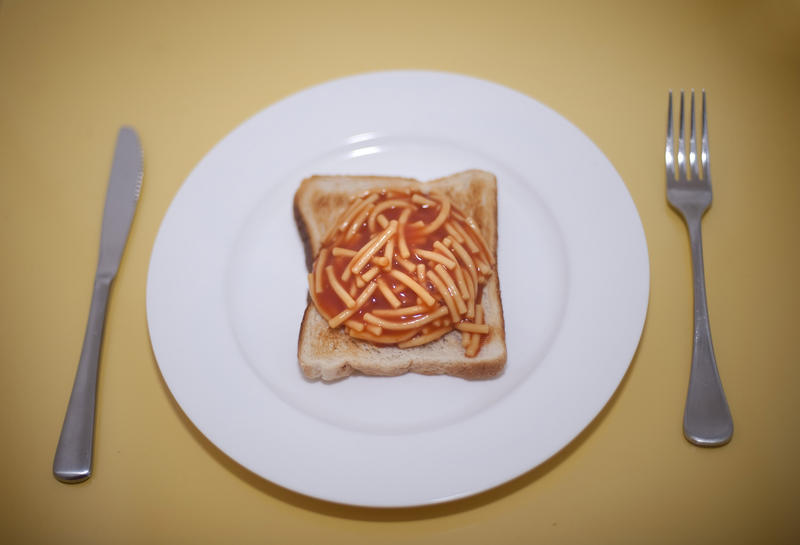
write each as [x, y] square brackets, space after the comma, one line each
[186, 73]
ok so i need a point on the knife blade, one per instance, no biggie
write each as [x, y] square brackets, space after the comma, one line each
[73, 459]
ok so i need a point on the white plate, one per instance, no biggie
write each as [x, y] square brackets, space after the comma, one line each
[226, 291]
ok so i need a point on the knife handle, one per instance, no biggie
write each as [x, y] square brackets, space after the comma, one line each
[73, 459]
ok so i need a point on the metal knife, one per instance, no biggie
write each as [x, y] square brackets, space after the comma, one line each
[73, 459]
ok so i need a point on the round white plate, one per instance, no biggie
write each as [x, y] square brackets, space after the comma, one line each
[226, 291]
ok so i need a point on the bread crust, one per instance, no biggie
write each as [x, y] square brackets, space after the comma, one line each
[331, 354]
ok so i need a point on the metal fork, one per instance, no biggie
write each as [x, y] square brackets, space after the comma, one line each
[707, 419]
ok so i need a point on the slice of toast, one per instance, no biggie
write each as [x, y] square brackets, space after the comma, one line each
[332, 354]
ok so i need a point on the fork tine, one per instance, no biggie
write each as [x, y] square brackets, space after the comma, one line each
[669, 156]
[681, 145]
[705, 159]
[693, 144]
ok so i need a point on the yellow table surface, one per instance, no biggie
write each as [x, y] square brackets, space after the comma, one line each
[186, 73]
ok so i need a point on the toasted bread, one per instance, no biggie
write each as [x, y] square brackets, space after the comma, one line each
[332, 354]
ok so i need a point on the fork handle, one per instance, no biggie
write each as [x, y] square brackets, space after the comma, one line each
[73, 459]
[707, 419]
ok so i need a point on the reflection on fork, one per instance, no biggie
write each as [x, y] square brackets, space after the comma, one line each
[707, 419]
